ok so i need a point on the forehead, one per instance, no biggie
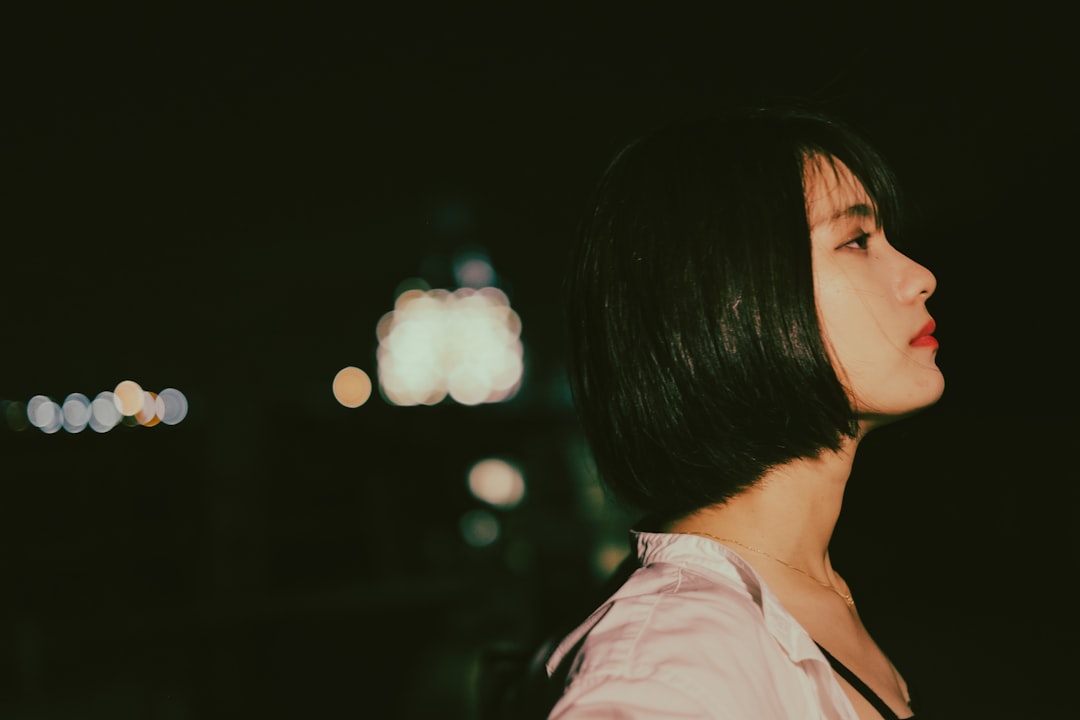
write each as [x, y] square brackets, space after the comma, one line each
[832, 191]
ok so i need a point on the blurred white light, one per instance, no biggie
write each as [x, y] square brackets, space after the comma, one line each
[465, 344]
[40, 410]
[174, 406]
[76, 411]
[497, 482]
[104, 413]
[479, 528]
[410, 379]
[44, 414]
[468, 385]
[33, 407]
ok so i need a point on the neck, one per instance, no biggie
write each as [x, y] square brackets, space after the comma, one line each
[790, 513]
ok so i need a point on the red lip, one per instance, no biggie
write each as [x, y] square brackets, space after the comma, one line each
[926, 338]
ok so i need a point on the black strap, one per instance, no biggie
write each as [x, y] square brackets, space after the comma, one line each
[863, 688]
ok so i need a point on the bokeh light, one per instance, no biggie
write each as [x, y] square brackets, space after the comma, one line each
[463, 345]
[104, 412]
[44, 413]
[129, 397]
[479, 528]
[76, 412]
[497, 482]
[472, 268]
[352, 387]
[174, 406]
[151, 411]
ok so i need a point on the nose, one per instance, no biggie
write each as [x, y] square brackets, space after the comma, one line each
[916, 281]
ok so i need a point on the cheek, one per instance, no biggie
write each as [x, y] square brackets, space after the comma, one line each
[843, 323]
[848, 318]
[851, 321]
[863, 360]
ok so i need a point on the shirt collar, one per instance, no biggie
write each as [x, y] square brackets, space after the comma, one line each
[709, 557]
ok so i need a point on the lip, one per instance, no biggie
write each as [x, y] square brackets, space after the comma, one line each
[926, 338]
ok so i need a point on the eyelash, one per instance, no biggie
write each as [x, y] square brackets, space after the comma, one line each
[861, 241]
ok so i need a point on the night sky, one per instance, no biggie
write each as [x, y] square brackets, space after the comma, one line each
[226, 201]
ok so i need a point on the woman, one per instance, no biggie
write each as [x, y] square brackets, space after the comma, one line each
[739, 322]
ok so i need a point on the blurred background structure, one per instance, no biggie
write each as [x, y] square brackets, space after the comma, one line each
[285, 428]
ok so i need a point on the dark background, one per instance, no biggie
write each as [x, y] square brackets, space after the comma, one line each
[224, 199]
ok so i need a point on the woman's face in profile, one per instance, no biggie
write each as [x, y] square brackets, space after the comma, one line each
[871, 300]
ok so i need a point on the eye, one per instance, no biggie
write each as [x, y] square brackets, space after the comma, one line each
[859, 242]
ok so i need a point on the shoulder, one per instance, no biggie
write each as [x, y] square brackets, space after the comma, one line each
[665, 612]
[675, 637]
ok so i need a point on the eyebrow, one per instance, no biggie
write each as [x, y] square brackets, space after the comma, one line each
[859, 210]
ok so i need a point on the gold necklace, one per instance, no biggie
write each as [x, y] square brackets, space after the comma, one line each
[846, 597]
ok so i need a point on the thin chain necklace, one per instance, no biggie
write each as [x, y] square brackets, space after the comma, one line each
[846, 597]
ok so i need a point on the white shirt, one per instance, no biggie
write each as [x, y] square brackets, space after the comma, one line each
[695, 633]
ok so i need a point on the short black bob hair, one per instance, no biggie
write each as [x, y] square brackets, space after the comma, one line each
[696, 358]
